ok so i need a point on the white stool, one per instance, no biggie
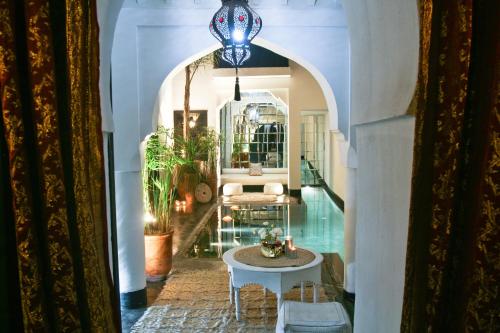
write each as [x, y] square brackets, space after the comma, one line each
[232, 189]
[313, 317]
[273, 188]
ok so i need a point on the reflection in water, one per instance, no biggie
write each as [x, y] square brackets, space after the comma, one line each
[316, 224]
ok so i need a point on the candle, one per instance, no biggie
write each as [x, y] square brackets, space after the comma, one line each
[288, 243]
[292, 252]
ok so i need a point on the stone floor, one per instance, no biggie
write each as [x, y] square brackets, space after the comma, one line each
[181, 307]
[185, 223]
[130, 316]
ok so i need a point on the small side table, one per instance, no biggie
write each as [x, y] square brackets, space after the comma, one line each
[278, 280]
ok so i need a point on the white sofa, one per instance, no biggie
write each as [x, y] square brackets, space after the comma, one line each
[241, 176]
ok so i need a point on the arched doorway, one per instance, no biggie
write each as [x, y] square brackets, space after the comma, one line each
[376, 31]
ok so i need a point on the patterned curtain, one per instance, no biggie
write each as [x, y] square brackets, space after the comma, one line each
[54, 269]
[453, 258]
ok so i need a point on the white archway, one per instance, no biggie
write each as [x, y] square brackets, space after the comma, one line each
[163, 105]
[382, 65]
[326, 88]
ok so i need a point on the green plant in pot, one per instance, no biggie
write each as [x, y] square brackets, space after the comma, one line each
[200, 154]
[160, 165]
[189, 175]
[210, 143]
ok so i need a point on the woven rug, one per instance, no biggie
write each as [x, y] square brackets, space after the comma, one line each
[251, 256]
[195, 299]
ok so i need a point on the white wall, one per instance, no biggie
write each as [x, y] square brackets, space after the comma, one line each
[384, 41]
[149, 44]
[338, 169]
[384, 57]
[384, 179]
[107, 14]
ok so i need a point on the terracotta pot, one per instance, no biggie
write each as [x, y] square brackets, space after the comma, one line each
[212, 182]
[158, 252]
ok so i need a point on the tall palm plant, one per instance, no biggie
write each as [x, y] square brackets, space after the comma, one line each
[161, 162]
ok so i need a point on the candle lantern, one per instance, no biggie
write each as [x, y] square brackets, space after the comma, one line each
[290, 249]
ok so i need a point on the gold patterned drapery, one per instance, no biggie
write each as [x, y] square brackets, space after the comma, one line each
[52, 210]
[453, 255]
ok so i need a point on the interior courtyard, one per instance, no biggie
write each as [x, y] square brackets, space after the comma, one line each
[351, 148]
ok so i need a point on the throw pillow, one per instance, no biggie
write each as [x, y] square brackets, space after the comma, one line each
[255, 169]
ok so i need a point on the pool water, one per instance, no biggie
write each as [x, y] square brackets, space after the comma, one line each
[323, 229]
[317, 223]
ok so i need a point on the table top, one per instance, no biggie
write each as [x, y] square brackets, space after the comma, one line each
[228, 258]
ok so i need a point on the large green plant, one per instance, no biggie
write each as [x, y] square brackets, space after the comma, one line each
[161, 163]
[200, 147]
[210, 142]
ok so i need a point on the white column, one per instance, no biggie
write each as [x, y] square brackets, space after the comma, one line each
[130, 229]
[350, 231]
[294, 120]
[127, 138]
[350, 220]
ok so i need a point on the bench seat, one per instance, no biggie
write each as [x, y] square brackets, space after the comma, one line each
[245, 179]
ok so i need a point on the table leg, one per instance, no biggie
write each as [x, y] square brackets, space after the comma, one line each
[237, 301]
[315, 292]
[279, 300]
[230, 289]
[302, 291]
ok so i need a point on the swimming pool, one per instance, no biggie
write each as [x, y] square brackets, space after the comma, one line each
[317, 223]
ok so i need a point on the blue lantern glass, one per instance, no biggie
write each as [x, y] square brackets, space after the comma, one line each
[235, 24]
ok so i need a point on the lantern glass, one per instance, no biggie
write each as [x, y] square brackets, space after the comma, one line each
[234, 25]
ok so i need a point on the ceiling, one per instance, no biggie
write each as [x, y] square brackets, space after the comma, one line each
[298, 4]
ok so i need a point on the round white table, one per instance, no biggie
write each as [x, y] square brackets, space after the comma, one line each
[278, 280]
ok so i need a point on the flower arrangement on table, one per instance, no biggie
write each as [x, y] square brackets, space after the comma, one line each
[270, 245]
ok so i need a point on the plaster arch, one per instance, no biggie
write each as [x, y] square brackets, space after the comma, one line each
[382, 70]
[229, 99]
[326, 88]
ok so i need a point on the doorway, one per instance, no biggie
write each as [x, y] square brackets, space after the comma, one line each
[312, 148]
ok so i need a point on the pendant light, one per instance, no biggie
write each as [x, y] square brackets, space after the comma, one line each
[235, 24]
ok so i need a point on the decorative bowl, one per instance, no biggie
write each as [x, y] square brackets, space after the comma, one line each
[271, 250]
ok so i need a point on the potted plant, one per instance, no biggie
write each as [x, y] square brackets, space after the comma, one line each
[200, 155]
[210, 142]
[161, 163]
[189, 175]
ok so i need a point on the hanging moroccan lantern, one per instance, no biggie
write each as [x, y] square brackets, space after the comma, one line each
[235, 24]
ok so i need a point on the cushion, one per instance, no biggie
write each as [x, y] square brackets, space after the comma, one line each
[255, 169]
[313, 317]
[232, 189]
[273, 188]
